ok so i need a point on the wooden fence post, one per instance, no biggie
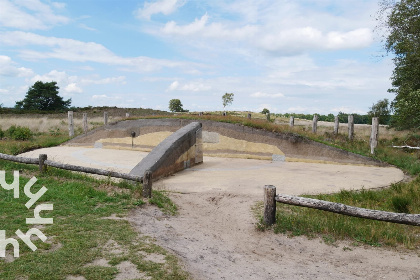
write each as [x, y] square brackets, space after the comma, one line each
[374, 135]
[42, 165]
[105, 118]
[292, 121]
[314, 123]
[85, 123]
[269, 205]
[127, 115]
[71, 124]
[351, 127]
[249, 116]
[147, 184]
[336, 125]
[268, 116]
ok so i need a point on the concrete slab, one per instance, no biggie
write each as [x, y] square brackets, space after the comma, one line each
[242, 176]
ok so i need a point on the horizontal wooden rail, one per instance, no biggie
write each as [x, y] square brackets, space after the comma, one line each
[19, 159]
[93, 171]
[399, 218]
[270, 199]
[72, 167]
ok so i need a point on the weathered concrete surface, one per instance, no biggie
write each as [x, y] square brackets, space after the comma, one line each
[179, 151]
[291, 145]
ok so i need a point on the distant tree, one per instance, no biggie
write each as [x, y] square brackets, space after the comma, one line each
[175, 105]
[382, 110]
[44, 97]
[227, 99]
[265, 111]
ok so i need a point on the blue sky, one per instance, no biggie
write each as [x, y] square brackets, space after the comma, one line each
[288, 56]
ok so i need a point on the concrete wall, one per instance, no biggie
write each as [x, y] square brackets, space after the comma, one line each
[292, 146]
[180, 150]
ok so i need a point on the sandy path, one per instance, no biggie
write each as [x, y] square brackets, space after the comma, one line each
[215, 236]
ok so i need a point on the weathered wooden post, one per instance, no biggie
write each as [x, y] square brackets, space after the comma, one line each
[249, 116]
[105, 118]
[42, 165]
[224, 113]
[336, 125]
[71, 124]
[374, 135]
[269, 205]
[85, 123]
[351, 127]
[292, 121]
[147, 184]
[315, 123]
[267, 116]
[127, 115]
[200, 114]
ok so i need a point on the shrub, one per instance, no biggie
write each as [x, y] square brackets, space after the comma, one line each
[1, 133]
[19, 133]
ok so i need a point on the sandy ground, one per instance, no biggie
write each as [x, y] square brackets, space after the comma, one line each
[215, 236]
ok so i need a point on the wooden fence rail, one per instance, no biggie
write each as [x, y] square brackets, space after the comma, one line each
[339, 208]
[44, 163]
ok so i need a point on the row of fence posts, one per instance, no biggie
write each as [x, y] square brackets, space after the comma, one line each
[85, 122]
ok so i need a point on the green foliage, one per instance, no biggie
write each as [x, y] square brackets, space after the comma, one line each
[19, 133]
[401, 20]
[1, 133]
[175, 105]
[400, 204]
[381, 110]
[265, 111]
[227, 99]
[44, 97]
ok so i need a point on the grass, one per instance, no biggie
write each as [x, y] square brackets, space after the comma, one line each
[82, 231]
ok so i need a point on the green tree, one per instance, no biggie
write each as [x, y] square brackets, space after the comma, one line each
[265, 111]
[381, 110]
[175, 105]
[401, 20]
[227, 99]
[44, 97]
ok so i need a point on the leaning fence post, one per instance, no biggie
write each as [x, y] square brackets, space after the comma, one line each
[351, 127]
[71, 124]
[42, 165]
[315, 123]
[374, 135]
[269, 204]
[336, 125]
[85, 123]
[147, 184]
[292, 121]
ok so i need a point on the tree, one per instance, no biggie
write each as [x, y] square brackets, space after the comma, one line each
[227, 99]
[44, 97]
[265, 111]
[401, 19]
[175, 105]
[381, 110]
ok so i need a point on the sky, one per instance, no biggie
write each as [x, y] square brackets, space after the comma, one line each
[297, 56]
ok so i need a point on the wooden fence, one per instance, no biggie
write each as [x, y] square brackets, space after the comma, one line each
[43, 162]
[270, 199]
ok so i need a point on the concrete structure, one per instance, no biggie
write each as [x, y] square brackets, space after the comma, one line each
[223, 140]
[179, 151]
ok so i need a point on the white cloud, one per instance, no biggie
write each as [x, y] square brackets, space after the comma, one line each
[192, 86]
[29, 15]
[269, 95]
[8, 68]
[73, 88]
[165, 7]
[78, 51]
[111, 80]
